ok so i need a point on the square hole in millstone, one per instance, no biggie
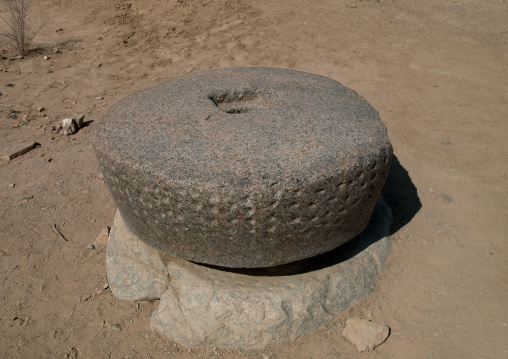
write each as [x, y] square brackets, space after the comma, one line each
[234, 101]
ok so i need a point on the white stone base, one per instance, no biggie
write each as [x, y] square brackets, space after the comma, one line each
[206, 307]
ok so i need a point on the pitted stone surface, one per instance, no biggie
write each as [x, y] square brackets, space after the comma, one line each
[248, 167]
[205, 307]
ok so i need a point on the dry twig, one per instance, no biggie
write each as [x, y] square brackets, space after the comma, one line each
[19, 33]
[60, 234]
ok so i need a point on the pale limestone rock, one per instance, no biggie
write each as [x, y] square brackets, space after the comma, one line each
[364, 334]
[135, 270]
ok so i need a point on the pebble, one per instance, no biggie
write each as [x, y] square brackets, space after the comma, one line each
[40, 109]
[85, 297]
[59, 30]
[12, 185]
[364, 334]
[116, 327]
[46, 57]
[50, 72]
[103, 237]
[91, 246]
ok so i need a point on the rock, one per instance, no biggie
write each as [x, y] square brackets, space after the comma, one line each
[18, 149]
[40, 109]
[59, 30]
[69, 126]
[79, 120]
[208, 307]
[103, 237]
[250, 167]
[12, 185]
[135, 270]
[364, 334]
[50, 71]
[46, 57]
[90, 246]
[116, 327]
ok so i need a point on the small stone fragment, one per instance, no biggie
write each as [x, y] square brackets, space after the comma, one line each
[69, 126]
[364, 334]
[40, 109]
[116, 327]
[59, 30]
[46, 57]
[79, 120]
[90, 246]
[85, 297]
[12, 185]
[103, 237]
[17, 150]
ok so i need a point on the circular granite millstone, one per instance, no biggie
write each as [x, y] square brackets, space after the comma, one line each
[245, 167]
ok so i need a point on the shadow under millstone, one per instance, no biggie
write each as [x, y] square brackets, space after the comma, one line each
[401, 195]
[376, 230]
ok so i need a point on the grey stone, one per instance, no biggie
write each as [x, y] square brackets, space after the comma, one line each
[364, 334]
[135, 270]
[208, 307]
[248, 167]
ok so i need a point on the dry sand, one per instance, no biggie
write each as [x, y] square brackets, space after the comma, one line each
[436, 71]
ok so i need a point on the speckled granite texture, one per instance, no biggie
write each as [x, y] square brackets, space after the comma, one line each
[245, 167]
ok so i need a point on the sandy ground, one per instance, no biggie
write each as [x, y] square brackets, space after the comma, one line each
[436, 71]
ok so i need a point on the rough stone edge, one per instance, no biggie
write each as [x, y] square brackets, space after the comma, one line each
[327, 287]
[135, 270]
